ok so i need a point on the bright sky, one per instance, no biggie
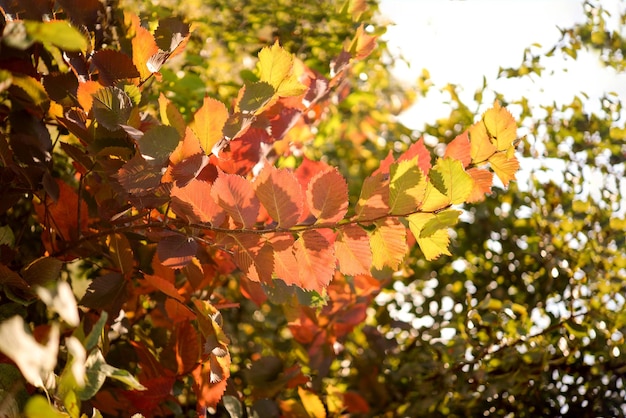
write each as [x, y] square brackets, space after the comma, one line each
[461, 41]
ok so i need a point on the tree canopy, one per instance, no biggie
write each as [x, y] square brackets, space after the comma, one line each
[211, 208]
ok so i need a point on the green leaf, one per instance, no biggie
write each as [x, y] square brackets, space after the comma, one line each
[6, 236]
[111, 107]
[58, 33]
[39, 407]
[442, 220]
[158, 143]
[94, 376]
[96, 332]
[255, 97]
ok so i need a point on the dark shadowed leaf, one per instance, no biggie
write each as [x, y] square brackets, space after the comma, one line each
[158, 143]
[113, 66]
[111, 107]
[107, 292]
[177, 250]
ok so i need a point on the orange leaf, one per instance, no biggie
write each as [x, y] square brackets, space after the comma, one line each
[85, 93]
[304, 173]
[188, 147]
[505, 168]
[194, 203]
[327, 196]
[285, 263]
[353, 251]
[388, 243]
[374, 199]
[363, 44]
[144, 47]
[316, 260]
[236, 195]
[186, 347]
[280, 194]
[251, 255]
[460, 149]
[209, 393]
[164, 286]
[483, 179]
[419, 150]
[208, 123]
[177, 312]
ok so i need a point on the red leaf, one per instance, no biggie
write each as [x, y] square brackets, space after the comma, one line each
[186, 347]
[355, 403]
[384, 165]
[113, 66]
[460, 149]
[194, 203]
[304, 173]
[176, 251]
[208, 122]
[236, 195]
[419, 150]
[353, 251]
[327, 196]
[138, 176]
[316, 260]
[280, 194]
[252, 256]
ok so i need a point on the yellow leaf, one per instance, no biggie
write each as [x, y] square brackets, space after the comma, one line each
[407, 187]
[312, 403]
[505, 168]
[481, 146]
[501, 126]
[450, 179]
[434, 244]
[276, 69]
[388, 243]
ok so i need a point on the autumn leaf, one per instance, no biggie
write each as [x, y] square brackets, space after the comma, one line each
[460, 149]
[176, 250]
[312, 403]
[388, 243]
[170, 115]
[251, 254]
[316, 260]
[121, 252]
[85, 93]
[417, 150]
[163, 285]
[285, 262]
[208, 123]
[374, 198]
[483, 180]
[113, 66]
[194, 203]
[186, 347]
[353, 251]
[280, 194]
[407, 186]
[505, 168]
[431, 231]
[236, 195]
[158, 143]
[327, 196]
[362, 44]
[501, 126]
[449, 184]
[276, 68]
[481, 147]
[144, 47]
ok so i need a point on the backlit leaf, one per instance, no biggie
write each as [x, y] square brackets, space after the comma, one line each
[445, 219]
[163, 285]
[60, 299]
[388, 243]
[187, 347]
[327, 196]
[374, 199]
[252, 255]
[407, 186]
[85, 94]
[170, 115]
[501, 126]
[481, 146]
[177, 250]
[362, 44]
[194, 203]
[450, 179]
[276, 69]
[280, 194]
[316, 260]
[208, 123]
[30, 93]
[285, 263]
[171, 35]
[58, 33]
[144, 47]
[236, 195]
[417, 150]
[436, 240]
[505, 168]
[483, 180]
[352, 248]
[460, 149]
[312, 403]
